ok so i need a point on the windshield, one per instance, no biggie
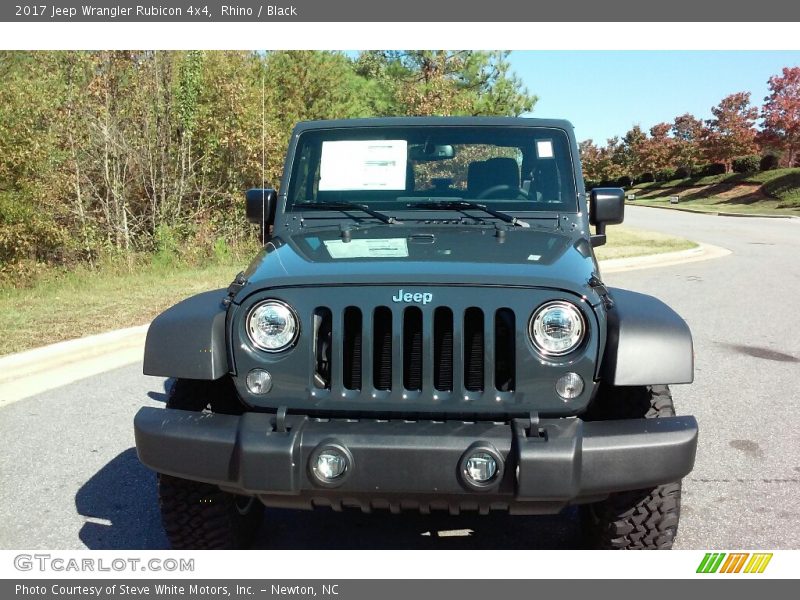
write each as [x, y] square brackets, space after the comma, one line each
[510, 169]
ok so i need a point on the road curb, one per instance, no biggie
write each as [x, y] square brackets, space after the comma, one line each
[665, 259]
[49, 367]
[714, 213]
[41, 369]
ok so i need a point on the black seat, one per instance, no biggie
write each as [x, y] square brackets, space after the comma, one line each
[498, 171]
[546, 182]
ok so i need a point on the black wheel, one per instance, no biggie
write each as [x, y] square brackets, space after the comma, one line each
[641, 519]
[200, 516]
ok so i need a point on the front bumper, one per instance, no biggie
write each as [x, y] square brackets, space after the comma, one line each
[415, 465]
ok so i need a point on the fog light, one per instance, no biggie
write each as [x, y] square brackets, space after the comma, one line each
[569, 386]
[259, 382]
[330, 465]
[480, 467]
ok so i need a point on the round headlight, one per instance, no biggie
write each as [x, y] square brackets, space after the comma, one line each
[272, 326]
[557, 328]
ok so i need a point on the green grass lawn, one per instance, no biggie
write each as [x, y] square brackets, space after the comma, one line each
[66, 306]
[723, 204]
[63, 306]
[624, 242]
[766, 192]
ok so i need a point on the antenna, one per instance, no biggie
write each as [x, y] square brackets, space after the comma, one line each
[263, 150]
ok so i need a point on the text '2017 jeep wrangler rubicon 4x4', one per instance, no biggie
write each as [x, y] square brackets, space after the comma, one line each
[425, 329]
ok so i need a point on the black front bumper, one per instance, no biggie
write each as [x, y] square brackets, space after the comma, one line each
[400, 464]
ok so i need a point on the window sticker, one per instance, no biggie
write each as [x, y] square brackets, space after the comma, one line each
[349, 165]
[544, 148]
[378, 248]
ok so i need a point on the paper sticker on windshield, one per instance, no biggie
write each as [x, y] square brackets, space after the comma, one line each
[544, 148]
[363, 165]
[380, 248]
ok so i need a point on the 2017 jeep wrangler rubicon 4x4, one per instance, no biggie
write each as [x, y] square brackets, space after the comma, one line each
[425, 328]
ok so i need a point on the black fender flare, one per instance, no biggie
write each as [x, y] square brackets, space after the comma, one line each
[647, 342]
[188, 340]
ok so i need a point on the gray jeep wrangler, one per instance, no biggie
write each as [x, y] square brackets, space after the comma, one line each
[426, 328]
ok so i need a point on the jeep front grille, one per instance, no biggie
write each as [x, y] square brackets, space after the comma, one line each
[390, 349]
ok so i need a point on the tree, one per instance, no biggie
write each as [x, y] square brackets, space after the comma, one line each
[731, 133]
[631, 156]
[439, 82]
[590, 161]
[657, 150]
[781, 115]
[687, 133]
[124, 152]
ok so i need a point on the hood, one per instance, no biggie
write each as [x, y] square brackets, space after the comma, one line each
[396, 254]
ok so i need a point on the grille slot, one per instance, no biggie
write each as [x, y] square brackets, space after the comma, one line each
[443, 349]
[351, 352]
[382, 348]
[505, 350]
[365, 350]
[323, 343]
[473, 349]
[412, 349]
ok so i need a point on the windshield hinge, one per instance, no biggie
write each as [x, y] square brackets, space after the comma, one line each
[597, 285]
[236, 285]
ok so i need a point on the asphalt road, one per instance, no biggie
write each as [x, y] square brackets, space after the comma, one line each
[69, 476]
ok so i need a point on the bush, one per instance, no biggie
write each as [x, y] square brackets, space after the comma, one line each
[712, 169]
[683, 173]
[647, 178]
[747, 164]
[28, 232]
[769, 162]
[665, 174]
[624, 182]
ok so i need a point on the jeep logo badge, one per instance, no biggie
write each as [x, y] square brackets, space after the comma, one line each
[423, 297]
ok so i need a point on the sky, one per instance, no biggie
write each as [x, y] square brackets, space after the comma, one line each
[605, 93]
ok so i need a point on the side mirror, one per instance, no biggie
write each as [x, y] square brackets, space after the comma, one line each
[260, 209]
[606, 207]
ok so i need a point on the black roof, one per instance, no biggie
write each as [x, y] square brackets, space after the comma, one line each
[434, 121]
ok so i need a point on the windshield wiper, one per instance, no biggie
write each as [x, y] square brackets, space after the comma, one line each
[342, 206]
[465, 204]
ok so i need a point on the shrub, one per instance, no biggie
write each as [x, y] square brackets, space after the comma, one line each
[624, 182]
[647, 178]
[683, 173]
[747, 164]
[769, 162]
[28, 232]
[712, 169]
[665, 174]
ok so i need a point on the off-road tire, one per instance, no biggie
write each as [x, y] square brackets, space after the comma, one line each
[200, 516]
[641, 519]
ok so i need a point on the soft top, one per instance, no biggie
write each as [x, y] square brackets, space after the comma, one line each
[433, 121]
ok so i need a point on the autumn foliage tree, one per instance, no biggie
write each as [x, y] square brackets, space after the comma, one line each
[688, 144]
[731, 133]
[781, 115]
[687, 132]
[658, 149]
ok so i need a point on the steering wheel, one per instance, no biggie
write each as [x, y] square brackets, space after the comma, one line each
[501, 188]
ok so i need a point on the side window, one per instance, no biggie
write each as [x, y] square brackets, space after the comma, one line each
[306, 175]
